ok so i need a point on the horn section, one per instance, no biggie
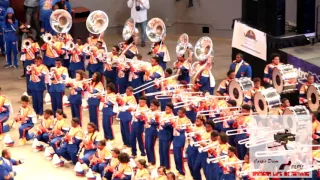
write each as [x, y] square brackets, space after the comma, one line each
[182, 45]
[97, 22]
[61, 21]
[26, 44]
[203, 48]
[156, 30]
[128, 29]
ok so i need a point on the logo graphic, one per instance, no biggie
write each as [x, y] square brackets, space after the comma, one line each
[251, 35]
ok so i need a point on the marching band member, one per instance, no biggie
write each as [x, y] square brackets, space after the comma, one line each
[101, 157]
[214, 172]
[45, 128]
[110, 71]
[124, 171]
[229, 171]
[192, 151]
[45, 25]
[28, 54]
[192, 108]
[315, 127]
[151, 131]
[269, 68]
[72, 140]
[96, 55]
[122, 78]
[240, 67]
[64, 38]
[127, 103]
[179, 141]
[96, 87]
[89, 143]
[9, 27]
[142, 171]
[156, 72]
[227, 125]
[109, 104]
[37, 83]
[56, 85]
[201, 159]
[248, 98]
[171, 176]
[52, 52]
[77, 58]
[129, 48]
[164, 86]
[136, 75]
[137, 127]
[183, 67]
[6, 165]
[60, 128]
[25, 116]
[204, 79]
[315, 159]
[5, 109]
[75, 97]
[241, 122]
[165, 137]
[160, 50]
[285, 103]
[224, 85]
[245, 167]
[304, 89]
[94, 38]
[161, 174]
[111, 166]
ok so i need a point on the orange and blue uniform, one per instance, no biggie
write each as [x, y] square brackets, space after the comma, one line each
[204, 79]
[156, 72]
[76, 60]
[110, 70]
[184, 69]
[160, 50]
[303, 93]
[28, 114]
[37, 85]
[95, 64]
[5, 106]
[57, 87]
[75, 99]
[51, 55]
[151, 134]
[165, 135]
[44, 129]
[94, 102]
[268, 71]
[60, 128]
[250, 93]
[242, 69]
[90, 142]
[137, 129]
[108, 110]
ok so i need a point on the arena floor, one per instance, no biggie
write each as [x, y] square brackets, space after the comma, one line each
[36, 166]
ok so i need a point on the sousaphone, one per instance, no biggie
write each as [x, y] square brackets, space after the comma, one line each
[61, 21]
[156, 30]
[182, 44]
[129, 29]
[203, 48]
[97, 22]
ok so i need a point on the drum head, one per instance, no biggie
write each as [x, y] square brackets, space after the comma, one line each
[288, 120]
[260, 104]
[277, 80]
[235, 92]
[313, 98]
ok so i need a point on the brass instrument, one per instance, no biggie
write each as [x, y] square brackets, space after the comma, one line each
[86, 49]
[97, 22]
[29, 68]
[156, 30]
[48, 38]
[128, 29]
[26, 44]
[70, 46]
[203, 48]
[61, 21]
[182, 45]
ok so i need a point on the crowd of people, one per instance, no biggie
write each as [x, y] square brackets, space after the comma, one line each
[175, 106]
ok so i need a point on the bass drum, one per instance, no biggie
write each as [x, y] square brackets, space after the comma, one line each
[238, 87]
[284, 78]
[297, 119]
[267, 101]
[313, 93]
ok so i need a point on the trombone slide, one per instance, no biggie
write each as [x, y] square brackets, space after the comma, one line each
[274, 153]
[191, 134]
[233, 132]
[233, 163]
[197, 143]
[185, 126]
[215, 160]
[206, 148]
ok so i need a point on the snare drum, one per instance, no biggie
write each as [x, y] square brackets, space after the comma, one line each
[267, 101]
[313, 93]
[284, 78]
[238, 87]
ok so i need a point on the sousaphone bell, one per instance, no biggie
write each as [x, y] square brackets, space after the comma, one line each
[203, 48]
[156, 30]
[182, 44]
[129, 29]
[97, 22]
[61, 21]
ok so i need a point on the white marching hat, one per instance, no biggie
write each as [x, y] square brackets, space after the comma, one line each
[79, 169]
[8, 141]
[47, 98]
[48, 152]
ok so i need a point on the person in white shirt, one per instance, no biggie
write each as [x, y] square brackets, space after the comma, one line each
[139, 10]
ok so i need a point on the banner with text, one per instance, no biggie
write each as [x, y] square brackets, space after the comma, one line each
[249, 40]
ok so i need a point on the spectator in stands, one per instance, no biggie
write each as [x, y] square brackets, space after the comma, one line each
[5, 3]
[46, 27]
[139, 15]
[31, 9]
[10, 26]
[2, 17]
[45, 7]
[64, 4]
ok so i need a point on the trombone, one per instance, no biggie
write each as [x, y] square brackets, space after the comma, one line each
[191, 134]
[197, 143]
[29, 68]
[233, 132]
[215, 160]
[206, 148]
[189, 101]
[97, 94]
[218, 111]
[185, 126]
[150, 84]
